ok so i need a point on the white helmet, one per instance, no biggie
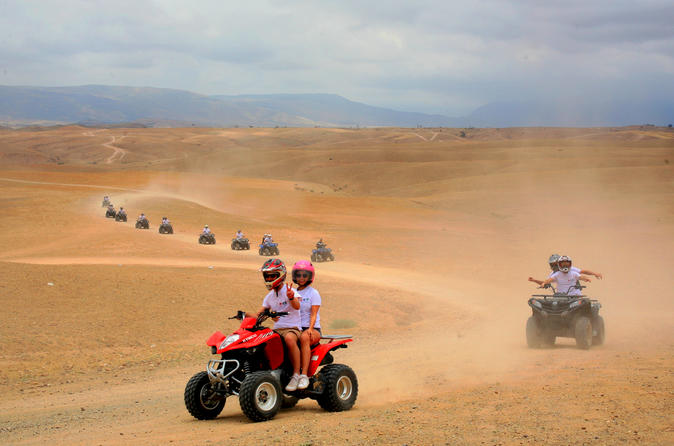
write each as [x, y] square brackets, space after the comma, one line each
[567, 268]
[205, 226]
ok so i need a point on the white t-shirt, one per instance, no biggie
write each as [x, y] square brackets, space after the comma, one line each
[309, 297]
[279, 302]
[566, 282]
[572, 269]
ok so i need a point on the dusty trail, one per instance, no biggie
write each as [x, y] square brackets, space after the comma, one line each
[102, 355]
[116, 150]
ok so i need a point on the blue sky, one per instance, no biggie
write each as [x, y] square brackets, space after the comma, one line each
[446, 57]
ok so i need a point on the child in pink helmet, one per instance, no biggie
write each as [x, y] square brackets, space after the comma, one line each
[303, 275]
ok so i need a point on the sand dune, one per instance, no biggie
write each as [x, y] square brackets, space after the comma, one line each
[434, 235]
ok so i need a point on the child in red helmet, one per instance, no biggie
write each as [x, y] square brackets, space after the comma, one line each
[281, 297]
[310, 303]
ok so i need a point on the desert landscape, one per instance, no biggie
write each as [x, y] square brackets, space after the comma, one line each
[434, 231]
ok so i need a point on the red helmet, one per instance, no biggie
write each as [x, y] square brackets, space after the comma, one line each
[304, 265]
[274, 273]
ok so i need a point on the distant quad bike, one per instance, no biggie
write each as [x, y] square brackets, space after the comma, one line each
[269, 249]
[120, 217]
[207, 239]
[165, 228]
[110, 213]
[106, 202]
[567, 316]
[143, 224]
[254, 365]
[322, 255]
[240, 243]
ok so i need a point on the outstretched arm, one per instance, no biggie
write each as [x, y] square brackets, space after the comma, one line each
[539, 282]
[590, 273]
[547, 281]
[584, 279]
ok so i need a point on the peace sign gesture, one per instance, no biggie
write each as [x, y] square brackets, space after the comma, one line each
[289, 292]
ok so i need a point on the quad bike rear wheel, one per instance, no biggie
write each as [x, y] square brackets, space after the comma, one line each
[260, 396]
[583, 332]
[598, 331]
[200, 398]
[340, 388]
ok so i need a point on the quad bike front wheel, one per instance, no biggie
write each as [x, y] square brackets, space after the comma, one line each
[200, 398]
[583, 332]
[260, 396]
[533, 333]
[340, 388]
[598, 331]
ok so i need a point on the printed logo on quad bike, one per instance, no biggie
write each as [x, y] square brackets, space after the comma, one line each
[564, 315]
[254, 365]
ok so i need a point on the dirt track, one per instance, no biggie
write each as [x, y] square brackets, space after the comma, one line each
[434, 236]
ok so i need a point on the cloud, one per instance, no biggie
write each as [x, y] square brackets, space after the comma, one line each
[427, 55]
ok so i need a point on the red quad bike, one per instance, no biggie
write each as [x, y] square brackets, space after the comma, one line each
[255, 366]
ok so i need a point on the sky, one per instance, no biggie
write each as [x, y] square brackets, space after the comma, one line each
[431, 56]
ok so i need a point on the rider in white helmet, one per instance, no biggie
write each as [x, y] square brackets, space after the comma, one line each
[552, 261]
[206, 230]
[566, 278]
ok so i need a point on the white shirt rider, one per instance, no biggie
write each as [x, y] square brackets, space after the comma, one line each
[207, 230]
[308, 297]
[278, 301]
[239, 235]
[566, 282]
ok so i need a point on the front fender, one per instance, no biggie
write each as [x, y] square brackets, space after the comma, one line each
[216, 339]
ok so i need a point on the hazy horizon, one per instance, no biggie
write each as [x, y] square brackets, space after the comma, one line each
[428, 57]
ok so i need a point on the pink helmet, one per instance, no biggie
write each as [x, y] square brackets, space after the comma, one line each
[304, 265]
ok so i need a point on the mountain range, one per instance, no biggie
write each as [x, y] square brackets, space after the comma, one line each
[160, 107]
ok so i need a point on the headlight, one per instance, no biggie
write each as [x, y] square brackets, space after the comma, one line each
[536, 303]
[229, 340]
[575, 303]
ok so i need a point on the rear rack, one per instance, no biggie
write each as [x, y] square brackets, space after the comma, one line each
[336, 337]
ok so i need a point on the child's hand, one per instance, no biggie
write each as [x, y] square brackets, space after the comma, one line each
[289, 292]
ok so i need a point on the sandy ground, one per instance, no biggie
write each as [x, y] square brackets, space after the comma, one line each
[434, 236]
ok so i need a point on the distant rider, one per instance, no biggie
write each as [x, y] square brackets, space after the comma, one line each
[239, 235]
[121, 211]
[165, 221]
[142, 217]
[566, 278]
[206, 230]
[320, 244]
[267, 239]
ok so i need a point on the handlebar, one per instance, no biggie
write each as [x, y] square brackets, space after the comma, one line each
[267, 313]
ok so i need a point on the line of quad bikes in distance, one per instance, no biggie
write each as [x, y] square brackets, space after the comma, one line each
[320, 254]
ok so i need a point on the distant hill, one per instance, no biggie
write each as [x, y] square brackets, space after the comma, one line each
[93, 104]
[608, 113]
[160, 107]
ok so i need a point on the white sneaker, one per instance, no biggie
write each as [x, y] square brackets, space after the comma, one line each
[303, 382]
[292, 385]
